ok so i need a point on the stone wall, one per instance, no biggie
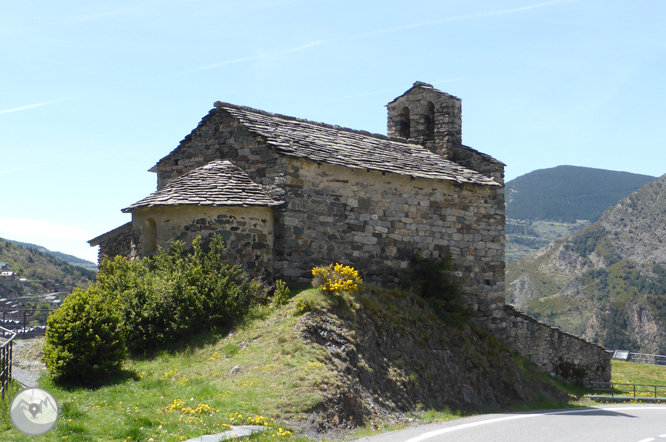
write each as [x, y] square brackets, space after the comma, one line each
[246, 231]
[556, 352]
[377, 221]
[372, 220]
[220, 136]
[117, 242]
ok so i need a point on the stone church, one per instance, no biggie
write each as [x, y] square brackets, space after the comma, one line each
[288, 194]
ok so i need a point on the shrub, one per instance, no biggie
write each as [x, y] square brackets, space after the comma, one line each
[84, 339]
[281, 293]
[175, 294]
[336, 279]
[431, 279]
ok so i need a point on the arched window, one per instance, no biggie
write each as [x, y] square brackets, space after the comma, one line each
[150, 236]
[404, 123]
[430, 122]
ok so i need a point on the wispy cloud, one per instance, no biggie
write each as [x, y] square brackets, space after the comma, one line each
[22, 168]
[258, 57]
[32, 106]
[458, 18]
[381, 32]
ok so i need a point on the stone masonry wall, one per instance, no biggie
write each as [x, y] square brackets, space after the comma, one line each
[368, 219]
[118, 243]
[246, 231]
[220, 136]
[447, 113]
[377, 221]
[556, 352]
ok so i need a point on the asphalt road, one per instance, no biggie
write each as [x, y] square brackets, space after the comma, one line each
[612, 423]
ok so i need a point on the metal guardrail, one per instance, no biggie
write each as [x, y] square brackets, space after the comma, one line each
[6, 360]
[629, 390]
[639, 358]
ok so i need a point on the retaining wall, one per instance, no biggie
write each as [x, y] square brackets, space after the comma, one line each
[556, 352]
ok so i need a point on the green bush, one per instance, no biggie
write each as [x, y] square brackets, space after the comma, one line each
[145, 305]
[172, 295]
[430, 278]
[84, 339]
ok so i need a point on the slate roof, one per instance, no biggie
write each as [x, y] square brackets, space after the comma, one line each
[345, 147]
[218, 183]
[125, 228]
[350, 148]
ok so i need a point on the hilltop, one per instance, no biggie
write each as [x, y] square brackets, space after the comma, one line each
[69, 259]
[548, 204]
[318, 365]
[568, 193]
[606, 282]
[39, 267]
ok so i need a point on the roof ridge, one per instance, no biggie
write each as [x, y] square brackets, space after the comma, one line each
[223, 104]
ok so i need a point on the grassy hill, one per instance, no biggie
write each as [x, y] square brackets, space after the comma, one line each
[38, 267]
[568, 193]
[311, 368]
[69, 259]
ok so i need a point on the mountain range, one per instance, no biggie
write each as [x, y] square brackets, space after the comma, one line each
[606, 282]
[69, 259]
[548, 204]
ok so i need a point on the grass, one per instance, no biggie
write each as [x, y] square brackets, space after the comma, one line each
[196, 389]
[634, 373]
[261, 372]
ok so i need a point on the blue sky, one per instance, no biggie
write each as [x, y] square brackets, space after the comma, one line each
[93, 94]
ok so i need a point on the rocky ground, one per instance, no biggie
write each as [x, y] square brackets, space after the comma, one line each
[27, 364]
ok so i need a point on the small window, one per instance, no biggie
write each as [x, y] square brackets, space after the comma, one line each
[404, 123]
[430, 122]
[150, 236]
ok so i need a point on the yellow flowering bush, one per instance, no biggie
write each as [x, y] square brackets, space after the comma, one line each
[336, 279]
[178, 406]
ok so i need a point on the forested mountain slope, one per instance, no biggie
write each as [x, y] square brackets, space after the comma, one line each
[39, 268]
[569, 193]
[606, 282]
[546, 205]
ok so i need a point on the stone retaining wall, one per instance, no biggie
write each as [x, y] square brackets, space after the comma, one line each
[556, 352]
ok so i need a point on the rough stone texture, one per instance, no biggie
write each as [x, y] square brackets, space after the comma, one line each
[117, 242]
[218, 183]
[376, 222]
[433, 119]
[554, 351]
[246, 231]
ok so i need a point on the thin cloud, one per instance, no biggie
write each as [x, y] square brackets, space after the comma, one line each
[458, 18]
[32, 106]
[22, 168]
[381, 32]
[258, 57]
[393, 89]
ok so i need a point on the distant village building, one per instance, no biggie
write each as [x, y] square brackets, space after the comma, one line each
[4, 266]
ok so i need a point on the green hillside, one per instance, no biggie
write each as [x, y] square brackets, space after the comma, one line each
[70, 259]
[568, 193]
[37, 267]
[607, 282]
